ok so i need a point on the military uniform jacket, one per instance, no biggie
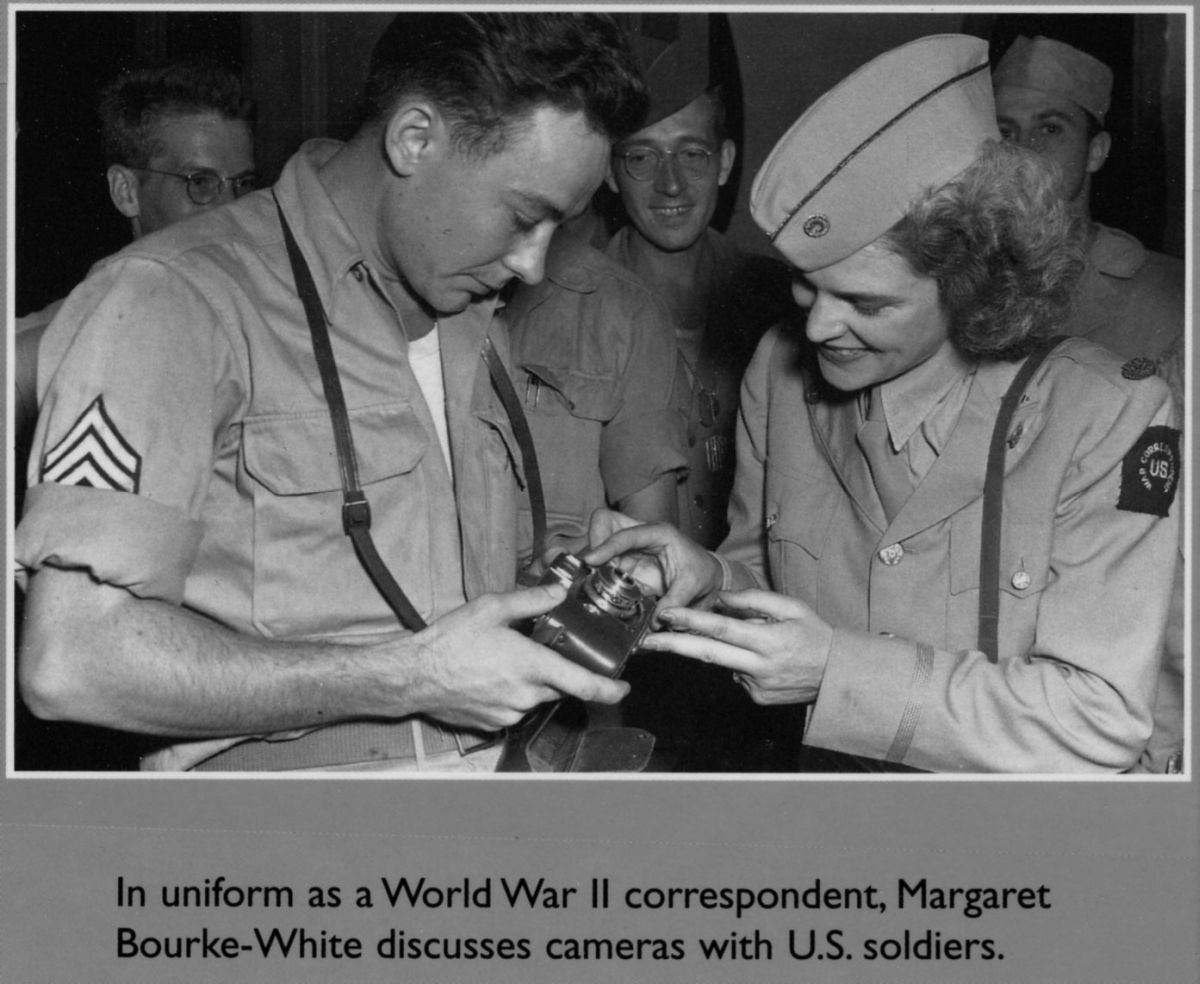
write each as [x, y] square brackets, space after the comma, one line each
[185, 452]
[1086, 565]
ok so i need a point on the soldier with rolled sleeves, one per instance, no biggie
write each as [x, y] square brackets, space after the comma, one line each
[860, 575]
[670, 175]
[237, 394]
[1052, 98]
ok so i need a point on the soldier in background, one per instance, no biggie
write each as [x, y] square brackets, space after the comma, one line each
[670, 175]
[1053, 98]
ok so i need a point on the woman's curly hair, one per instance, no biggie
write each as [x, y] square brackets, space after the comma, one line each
[1003, 248]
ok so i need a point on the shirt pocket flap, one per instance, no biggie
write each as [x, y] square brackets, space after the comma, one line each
[589, 397]
[296, 455]
[1024, 554]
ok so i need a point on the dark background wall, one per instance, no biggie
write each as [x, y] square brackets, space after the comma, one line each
[305, 70]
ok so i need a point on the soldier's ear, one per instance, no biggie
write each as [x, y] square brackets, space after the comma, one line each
[728, 156]
[413, 134]
[124, 190]
[1098, 148]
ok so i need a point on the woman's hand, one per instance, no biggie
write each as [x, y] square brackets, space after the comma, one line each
[777, 647]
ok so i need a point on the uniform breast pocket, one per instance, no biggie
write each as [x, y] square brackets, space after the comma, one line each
[307, 579]
[799, 513]
[588, 397]
[1024, 574]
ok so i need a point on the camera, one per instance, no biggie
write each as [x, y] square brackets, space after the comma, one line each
[601, 621]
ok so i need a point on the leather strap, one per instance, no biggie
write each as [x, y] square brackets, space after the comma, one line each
[993, 503]
[356, 510]
[520, 426]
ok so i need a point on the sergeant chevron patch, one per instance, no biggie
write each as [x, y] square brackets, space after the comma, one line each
[94, 454]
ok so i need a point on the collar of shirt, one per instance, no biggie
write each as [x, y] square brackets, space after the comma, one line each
[332, 251]
[928, 397]
[330, 248]
[1115, 253]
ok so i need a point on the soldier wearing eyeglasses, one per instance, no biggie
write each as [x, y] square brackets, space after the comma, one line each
[670, 175]
[179, 139]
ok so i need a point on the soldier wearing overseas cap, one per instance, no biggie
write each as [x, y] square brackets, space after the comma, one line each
[1053, 99]
[670, 175]
[934, 261]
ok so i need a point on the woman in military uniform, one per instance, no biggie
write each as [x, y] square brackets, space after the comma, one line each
[927, 624]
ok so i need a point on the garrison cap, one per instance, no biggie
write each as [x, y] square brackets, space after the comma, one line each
[851, 166]
[672, 51]
[1051, 66]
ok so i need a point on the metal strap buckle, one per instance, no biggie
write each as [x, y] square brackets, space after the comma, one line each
[356, 514]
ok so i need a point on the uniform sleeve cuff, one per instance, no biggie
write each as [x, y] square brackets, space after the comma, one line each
[871, 695]
[125, 540]
[736, 576]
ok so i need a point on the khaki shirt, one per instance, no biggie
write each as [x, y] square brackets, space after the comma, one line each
[190, 446]
[1129, 299]
[746, 294]
[1086, 572]
[598, 371]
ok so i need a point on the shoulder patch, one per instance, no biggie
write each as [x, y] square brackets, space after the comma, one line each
[1139, 368]
[94, 454]
[1150, 472]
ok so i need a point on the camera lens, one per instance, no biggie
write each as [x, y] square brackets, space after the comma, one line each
[613, 591]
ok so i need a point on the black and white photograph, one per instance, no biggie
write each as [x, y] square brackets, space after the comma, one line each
[728, 464]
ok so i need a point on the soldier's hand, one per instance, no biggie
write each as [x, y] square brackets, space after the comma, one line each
[475, 671]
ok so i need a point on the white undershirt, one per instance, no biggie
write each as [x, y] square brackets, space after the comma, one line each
[425, 358]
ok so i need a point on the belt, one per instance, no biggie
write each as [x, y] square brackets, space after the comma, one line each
[339, 744]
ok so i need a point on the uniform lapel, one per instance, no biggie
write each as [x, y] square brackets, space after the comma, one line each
[956, 478]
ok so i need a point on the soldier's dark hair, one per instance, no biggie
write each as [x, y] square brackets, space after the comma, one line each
[488, 71]
[136, 104]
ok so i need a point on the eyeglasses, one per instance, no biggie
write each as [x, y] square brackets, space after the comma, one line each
[204, 186]
[642, 163]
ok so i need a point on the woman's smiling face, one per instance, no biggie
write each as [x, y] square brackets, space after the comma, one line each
[871, 317]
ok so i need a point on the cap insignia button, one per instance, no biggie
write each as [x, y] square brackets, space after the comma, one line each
[816, 226]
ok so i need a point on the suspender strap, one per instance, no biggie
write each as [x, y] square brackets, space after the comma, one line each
[356, 511]
[520, 426]
[993, 504]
